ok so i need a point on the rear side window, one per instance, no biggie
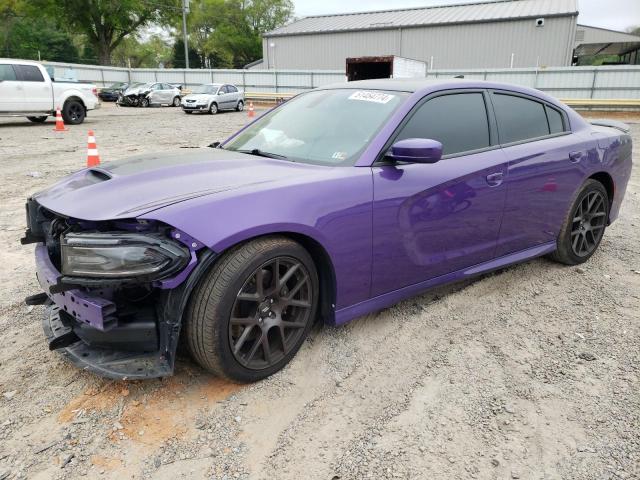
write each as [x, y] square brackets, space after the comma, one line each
[7, 72]
[556, 122]
[519, 118]
[458, 121]
[29, 73]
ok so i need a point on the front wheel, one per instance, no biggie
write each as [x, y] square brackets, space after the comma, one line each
[73, 112]
[213, 108]
[584, 226]
[144, 102]
[37, 119]
[251, 313]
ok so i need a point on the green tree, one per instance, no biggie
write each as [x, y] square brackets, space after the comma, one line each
[142, 54]
[33, 38]
[106, 23]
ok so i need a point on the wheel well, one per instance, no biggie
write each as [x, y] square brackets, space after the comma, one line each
[324, 266]
[607, 182]
[326, 275]
[76, 99]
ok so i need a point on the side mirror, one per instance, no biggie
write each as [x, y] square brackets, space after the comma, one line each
[416, 150]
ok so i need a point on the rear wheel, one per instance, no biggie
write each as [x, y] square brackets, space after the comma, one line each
[73, 112]
[213, 108]
[38, 119]
[251, 313]
[240, 106]
[176, 101]
[584, 227]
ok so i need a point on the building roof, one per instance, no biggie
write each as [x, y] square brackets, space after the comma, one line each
[438, 15]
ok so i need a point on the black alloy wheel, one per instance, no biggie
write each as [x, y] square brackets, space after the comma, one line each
[584, 225]
[251, 312]
[270, 313]
[588, 224]
[73, 112]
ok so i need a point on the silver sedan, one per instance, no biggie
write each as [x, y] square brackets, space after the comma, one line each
[213, 97]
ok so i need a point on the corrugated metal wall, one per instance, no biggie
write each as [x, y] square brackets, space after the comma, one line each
[563, 82]
[474, 45]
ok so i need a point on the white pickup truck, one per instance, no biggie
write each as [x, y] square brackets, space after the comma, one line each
[27, 90]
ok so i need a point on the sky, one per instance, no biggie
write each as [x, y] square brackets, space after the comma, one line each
[613, 14]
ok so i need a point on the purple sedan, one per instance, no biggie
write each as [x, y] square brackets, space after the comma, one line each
[342, 201]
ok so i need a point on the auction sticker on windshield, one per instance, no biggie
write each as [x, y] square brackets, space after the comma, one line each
[368, 96]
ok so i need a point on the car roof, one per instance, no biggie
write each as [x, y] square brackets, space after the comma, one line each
[19, 62]
[425, 86]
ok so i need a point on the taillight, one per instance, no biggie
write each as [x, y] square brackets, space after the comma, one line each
[95, 91]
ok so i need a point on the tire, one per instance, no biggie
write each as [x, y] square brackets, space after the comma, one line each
[240, 106]
[38, 119]
[188, 112]
[73, 112]
[219, 317]
[213, 108]
[582, 228]
[176, 101]
[144, 102]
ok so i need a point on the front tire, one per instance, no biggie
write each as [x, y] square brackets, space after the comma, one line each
[250, 314]
[73, 112]
[144, 102]
[213, 108]
[584, 226]
[37, 119]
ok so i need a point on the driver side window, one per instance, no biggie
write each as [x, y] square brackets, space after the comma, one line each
[458, 121]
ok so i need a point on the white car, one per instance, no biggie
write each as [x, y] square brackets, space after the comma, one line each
[213, 97]
[27, 90]
[154, 93]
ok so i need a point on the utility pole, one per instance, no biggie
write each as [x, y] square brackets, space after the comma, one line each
[185, 10]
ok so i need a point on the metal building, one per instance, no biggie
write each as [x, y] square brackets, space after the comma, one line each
[495, 34]
[591, 41]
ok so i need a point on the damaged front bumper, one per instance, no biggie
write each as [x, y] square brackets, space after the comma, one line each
[113, 328]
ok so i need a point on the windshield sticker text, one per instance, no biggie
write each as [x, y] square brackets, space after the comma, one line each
[368, 96]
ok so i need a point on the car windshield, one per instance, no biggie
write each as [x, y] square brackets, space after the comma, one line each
[206, 89]
[116, 85]
[325, 127]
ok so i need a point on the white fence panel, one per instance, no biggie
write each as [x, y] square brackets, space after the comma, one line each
[563, 82]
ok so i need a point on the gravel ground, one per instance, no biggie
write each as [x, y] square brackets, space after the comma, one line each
[528, 373]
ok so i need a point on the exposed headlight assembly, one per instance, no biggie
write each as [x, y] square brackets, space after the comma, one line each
[121, 256]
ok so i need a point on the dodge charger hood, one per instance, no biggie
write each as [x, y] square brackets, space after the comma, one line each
[128, 188]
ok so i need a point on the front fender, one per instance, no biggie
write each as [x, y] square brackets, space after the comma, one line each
[335, 213]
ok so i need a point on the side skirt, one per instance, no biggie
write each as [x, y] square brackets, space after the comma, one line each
[385, 300]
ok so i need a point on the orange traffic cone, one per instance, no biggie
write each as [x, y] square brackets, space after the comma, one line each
[252, 112]
[59, 122]
[93, 158]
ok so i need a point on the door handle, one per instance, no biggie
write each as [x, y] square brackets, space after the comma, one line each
[575, 157]
[495, 179]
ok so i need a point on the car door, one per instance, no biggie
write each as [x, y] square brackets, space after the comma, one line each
[429, 220]
[544, 169]
[11, 90]
[155, 95]
[224, 97]
[38, 96]
[233, 96]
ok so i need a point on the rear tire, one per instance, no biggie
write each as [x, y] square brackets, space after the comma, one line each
[584, 226]
[228, 321]
[38, 119]
[176, 101]
[240, 106]
[73, 112]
